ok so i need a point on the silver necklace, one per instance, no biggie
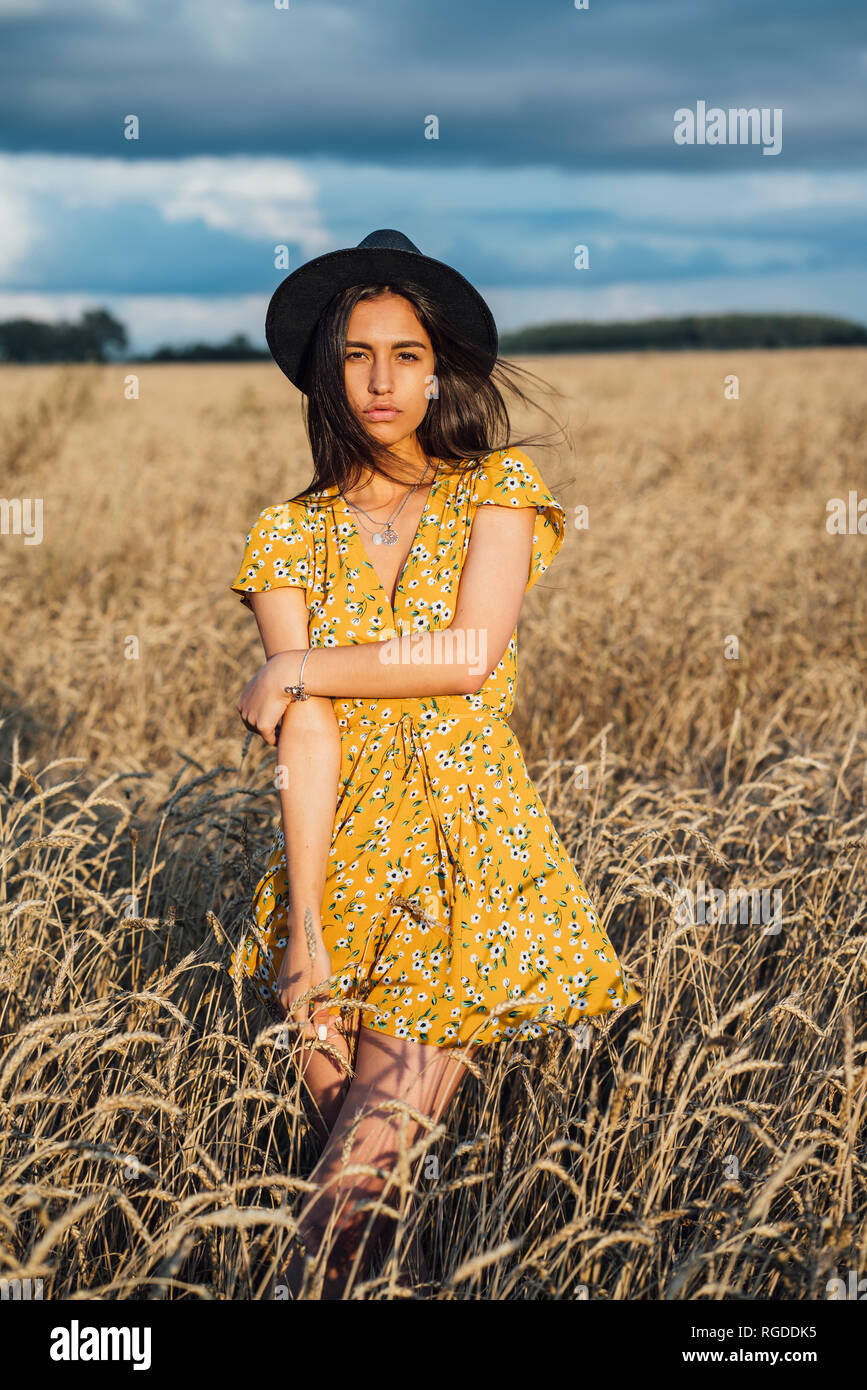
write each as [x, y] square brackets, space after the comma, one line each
[388, 536]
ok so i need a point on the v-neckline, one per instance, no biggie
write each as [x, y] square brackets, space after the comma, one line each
[398, 588]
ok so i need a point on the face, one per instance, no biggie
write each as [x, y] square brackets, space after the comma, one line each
[388, 367]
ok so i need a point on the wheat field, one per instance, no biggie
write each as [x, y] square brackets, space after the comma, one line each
[691, 708]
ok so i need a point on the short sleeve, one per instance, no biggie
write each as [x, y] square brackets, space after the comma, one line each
[510, 478]
[276, 553]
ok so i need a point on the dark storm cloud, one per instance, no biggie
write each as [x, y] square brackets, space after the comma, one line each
[511, 83]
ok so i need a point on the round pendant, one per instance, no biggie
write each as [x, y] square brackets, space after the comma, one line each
[389, 536]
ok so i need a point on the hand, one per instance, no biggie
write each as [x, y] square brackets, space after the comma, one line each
[263, 700]
[299, 974]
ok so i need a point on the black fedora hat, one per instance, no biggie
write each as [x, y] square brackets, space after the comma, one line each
[383, 257]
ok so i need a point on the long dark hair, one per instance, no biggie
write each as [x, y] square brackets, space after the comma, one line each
[466, 419]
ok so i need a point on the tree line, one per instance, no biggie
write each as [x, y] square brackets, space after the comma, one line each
[98, 336]
[695, 331]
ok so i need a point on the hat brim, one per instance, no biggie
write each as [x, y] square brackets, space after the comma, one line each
[298, 301]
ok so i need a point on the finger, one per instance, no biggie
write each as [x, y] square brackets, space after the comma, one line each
[322, 1031]
[325, 1019]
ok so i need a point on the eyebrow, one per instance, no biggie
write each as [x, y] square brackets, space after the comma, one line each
[402, 343]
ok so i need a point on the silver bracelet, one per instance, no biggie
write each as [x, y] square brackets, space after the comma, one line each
[297, 691]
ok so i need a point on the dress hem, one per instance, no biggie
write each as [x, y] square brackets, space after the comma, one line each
[541, 1022]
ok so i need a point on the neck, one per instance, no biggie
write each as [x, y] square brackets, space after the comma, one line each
[409, 467]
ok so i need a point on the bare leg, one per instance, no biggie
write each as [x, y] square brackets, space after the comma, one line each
[325, 1078]
[326, 1081]
[387, 1069]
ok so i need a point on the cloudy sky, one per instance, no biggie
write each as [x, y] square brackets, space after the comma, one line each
[306, 126]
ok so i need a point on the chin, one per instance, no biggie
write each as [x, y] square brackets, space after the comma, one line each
[388, 431]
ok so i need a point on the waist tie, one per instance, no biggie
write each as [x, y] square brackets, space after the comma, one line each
[408, 744]
[407, 729]
[409, 735]
[382, 713]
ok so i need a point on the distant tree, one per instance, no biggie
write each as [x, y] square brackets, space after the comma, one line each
[91, 339]
[695, 331]
[102, 332]
[238, 348]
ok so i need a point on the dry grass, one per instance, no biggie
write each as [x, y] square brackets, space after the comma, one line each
[707, 1145]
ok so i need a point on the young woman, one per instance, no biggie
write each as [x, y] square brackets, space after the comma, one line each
[418, 903]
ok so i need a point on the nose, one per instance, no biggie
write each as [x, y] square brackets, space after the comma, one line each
[380, 383]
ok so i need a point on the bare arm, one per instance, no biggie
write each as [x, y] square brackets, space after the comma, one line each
[456, 660]
[308, 761]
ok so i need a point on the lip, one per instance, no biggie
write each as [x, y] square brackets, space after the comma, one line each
[381, 412]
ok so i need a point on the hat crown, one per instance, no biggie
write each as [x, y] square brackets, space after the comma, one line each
[387, 239]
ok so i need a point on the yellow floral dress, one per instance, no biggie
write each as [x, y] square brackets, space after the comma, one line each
[451, 907]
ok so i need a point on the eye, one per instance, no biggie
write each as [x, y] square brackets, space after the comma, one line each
[354, 352]
[413, 357]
